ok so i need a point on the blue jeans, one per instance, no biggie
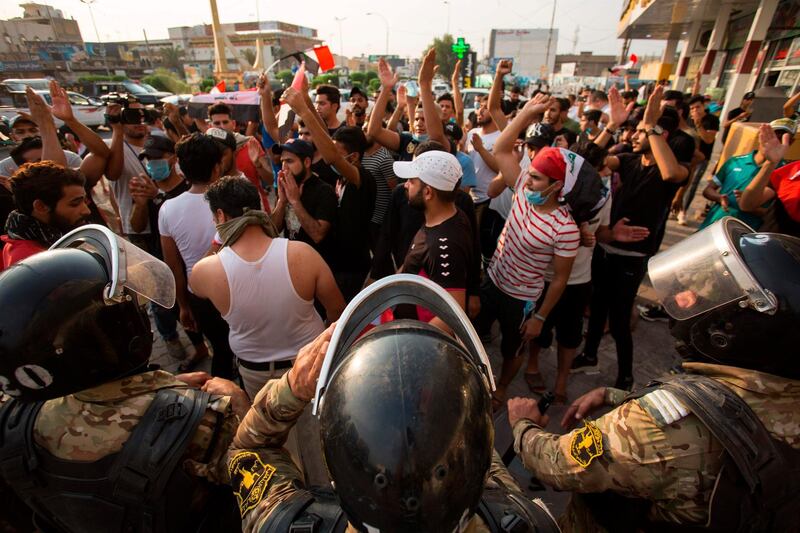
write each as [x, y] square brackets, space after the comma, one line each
[167, 323]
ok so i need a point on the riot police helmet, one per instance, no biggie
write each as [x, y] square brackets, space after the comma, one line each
[405, 412]
[73, 319]
[734, 296]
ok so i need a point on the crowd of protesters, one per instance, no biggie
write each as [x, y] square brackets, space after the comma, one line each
[533, 213]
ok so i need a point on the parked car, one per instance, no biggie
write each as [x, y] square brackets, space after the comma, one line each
[100, 89]
[470, 99]
[440, 87]
[19, 84]
[89, 112]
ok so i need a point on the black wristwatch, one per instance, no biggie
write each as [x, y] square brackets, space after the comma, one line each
[655, 130]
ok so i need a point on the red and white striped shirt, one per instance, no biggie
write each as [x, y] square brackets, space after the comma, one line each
[527, 245]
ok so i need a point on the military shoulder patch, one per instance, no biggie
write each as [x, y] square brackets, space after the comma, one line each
[586, 444]
[249, 479]
[411, 147]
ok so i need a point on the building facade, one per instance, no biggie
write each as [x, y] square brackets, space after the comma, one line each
[584, 64]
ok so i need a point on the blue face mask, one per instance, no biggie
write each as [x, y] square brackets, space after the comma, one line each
[158, 169]
[535, 197]
[420, 138]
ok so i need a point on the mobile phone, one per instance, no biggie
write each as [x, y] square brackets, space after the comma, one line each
[412, 89]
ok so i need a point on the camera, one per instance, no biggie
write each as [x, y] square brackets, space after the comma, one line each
[134, 116]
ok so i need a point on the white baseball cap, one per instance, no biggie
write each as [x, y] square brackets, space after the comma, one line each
[440, 170]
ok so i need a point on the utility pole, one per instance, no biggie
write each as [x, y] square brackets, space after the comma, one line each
[97, 34]
[339, 20]
[549, 40]
[147, 45]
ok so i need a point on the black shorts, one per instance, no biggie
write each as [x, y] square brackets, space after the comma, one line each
[507, 310]
[566, 317]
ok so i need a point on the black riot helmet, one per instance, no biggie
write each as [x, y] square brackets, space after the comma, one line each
[405, 413]
[734, 295]
[72, 318]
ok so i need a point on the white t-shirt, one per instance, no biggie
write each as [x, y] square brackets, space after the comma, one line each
[582, 267]
[8, 167]
[132, 167]
[187, 219]
[482, 170]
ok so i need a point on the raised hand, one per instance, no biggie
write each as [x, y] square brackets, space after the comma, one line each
[653, 110]
[295, 99]
[427, 69]
[624, 233]
[402, 98]
[264, 89]
[537, 105]
[40, 111]
[454, 75]
[385, 74]
[617, 111]
[504, 67]
[769, 145]
[61, 107]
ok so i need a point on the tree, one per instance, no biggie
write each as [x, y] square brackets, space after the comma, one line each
[171, 57]
[445, 57]
[165, 80]
[371, 75]
[358, 78]
[285, 76]
[374, 85]
[249, 55]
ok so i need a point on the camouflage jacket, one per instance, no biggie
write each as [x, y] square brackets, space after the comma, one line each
[262, 472]
[649, 449]
[91, 424]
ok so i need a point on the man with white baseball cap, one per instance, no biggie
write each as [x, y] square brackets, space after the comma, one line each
[445, 247]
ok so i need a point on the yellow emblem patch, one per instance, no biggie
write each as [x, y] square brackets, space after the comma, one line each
[249, 479]
[586, 444]
[411, 147]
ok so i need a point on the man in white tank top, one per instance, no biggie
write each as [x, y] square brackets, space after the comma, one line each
[264, 287]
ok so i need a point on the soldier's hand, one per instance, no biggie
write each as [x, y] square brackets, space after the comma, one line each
[304, 373]
[519, 408]
[225, 387]
[194, 379]
[583, 406]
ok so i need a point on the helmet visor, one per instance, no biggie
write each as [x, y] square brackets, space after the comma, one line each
[129, 266]
[388, 292]
[706, 271]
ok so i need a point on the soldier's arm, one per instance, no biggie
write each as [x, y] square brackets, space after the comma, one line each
[628, 453]
[261, 471]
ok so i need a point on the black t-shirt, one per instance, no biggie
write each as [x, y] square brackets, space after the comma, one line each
[407, 146]
[682, 145]
[443, 253]
[732, 114]
[644, 198]
[401, 225]
[351, 253]
[319, 199]
[325, 173]
[509, 107]
[710, 123]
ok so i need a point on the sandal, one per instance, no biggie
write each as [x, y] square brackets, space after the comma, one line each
[535, 382]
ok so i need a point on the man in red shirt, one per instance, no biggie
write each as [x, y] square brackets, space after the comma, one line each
[51, 200]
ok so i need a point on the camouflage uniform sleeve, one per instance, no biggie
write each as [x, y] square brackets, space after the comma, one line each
[625, 451]
[261, 471]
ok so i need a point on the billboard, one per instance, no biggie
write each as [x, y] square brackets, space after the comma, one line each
[528, 47]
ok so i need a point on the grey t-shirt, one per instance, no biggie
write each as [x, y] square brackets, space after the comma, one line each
[8, 166]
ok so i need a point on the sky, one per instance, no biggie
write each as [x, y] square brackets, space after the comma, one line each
[412, 24]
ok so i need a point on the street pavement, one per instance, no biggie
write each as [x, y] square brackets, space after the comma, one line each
[653, 356]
